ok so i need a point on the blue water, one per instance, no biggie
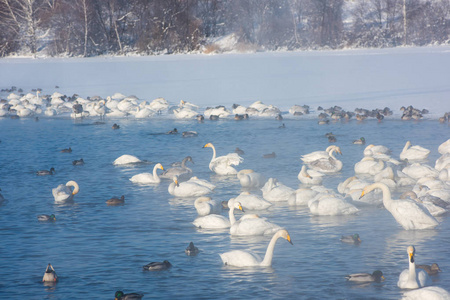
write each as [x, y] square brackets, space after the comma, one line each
[96, 249]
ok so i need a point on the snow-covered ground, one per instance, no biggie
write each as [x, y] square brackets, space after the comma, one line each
[372, 78]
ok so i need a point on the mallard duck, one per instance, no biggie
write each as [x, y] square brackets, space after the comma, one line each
[376, 276]
[116, 201]
[158, 266]
[45, 172]
[351, 239]
[67, 150]
[361, 141]
[45, 218]
[431, 270]
[119, 295]
[115, 126]
[50, 274]
[79, 162]
[191, 250]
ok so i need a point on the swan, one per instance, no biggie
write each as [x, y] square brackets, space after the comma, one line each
[119, 295]
[409, 214]
[410, 279]
[444, 148]
[313, 156]
[187, 189]
[351, 239]
[157, 266]
[222, 165]
[218, 221]
[252, 202]
[429, 293]
[185, 104]
[311, 177]
[116, 201]
[219, 111]
[191, 250]
[45, 218]
[330, 205]
[369, 165]
[328, 165]
[417, 170]
[63, 193]
[206, 206]
[202, 182]
[376, 276]
[127, 159]
[159, 104]
[253, 225]
[239, 258]
[46, 172]
[50, 274]
[145, 178]
[183, 172]
[184, 113]
[442, 161]
[414, 152]
[302, 196]
[275, 191]
[374, 150]
[251, 179]
[427, 201]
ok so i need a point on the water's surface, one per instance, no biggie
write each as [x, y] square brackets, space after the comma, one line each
[96, 249]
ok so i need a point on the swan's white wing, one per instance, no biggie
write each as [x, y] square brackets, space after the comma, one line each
[239, 258]
[429, 293]
[212, 222]
[144, 178]
[253, 226]
[411, 215]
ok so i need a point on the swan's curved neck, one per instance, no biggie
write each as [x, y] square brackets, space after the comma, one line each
[214, 152]
[412, 281]
[331, 153]
[303, 171]
[183, 163]
[267, 261]
[231, 215]
[406, 146]
[76, 188]
[155, 174]
[387, 200]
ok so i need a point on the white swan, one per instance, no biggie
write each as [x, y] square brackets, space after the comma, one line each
[414, 152]
[410, 278]
[184, 113]
[275, 191]
[417, 170]
[369, 165]
[218, 221]
[331, 205]
[63, 192]
[187, 188]
[206, 206]
[444, 148]
[302, 196]
[239, 258]
[409, 214]
[251, 179]
[127, 159]
[222, 165]
[313, 156]
[183, 172]
[311, 177]
[428, 293]
[146, 178]
[376, 150]
[202, 182]
[429, 202]
[442, 161]
[329, 164]
[252, 202]
[252, 224]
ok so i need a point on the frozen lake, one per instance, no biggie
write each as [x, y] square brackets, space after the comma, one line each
[97, 249]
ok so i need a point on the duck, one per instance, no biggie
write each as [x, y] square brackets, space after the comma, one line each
[188, 188]
[239, 258]
[239, 151]
[191, 250]
[376, 276]
[275, 191]
[50, 274]
[187, 134]
[79, 162]
[310, 177]
[148, 178]
[45, 218]
[360, 141]
[222, 165]
[431, 270]
[252, 202]
[205, 206]
[116, 201]
[115, 126]
[412, 153]
[408, 213]
[270, 155]
[46, 172]
[119, 295]
[157, 266]
[429, 292]
[218, 221]
[351, 239]
[251, 179]
[127, 159]
[63, 192]
[183, 172]
[67, 150]
[410, 278]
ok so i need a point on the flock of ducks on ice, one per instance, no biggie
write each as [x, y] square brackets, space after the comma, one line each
[376, 175]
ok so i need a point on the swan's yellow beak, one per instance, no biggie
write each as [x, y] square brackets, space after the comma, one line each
[241, 208]
[362, 194]
[176, 182]
[289, 239]
[207, 145]
[411, 257]
[162, 168]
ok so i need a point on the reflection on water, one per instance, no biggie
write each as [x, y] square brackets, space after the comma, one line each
[98, 249]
